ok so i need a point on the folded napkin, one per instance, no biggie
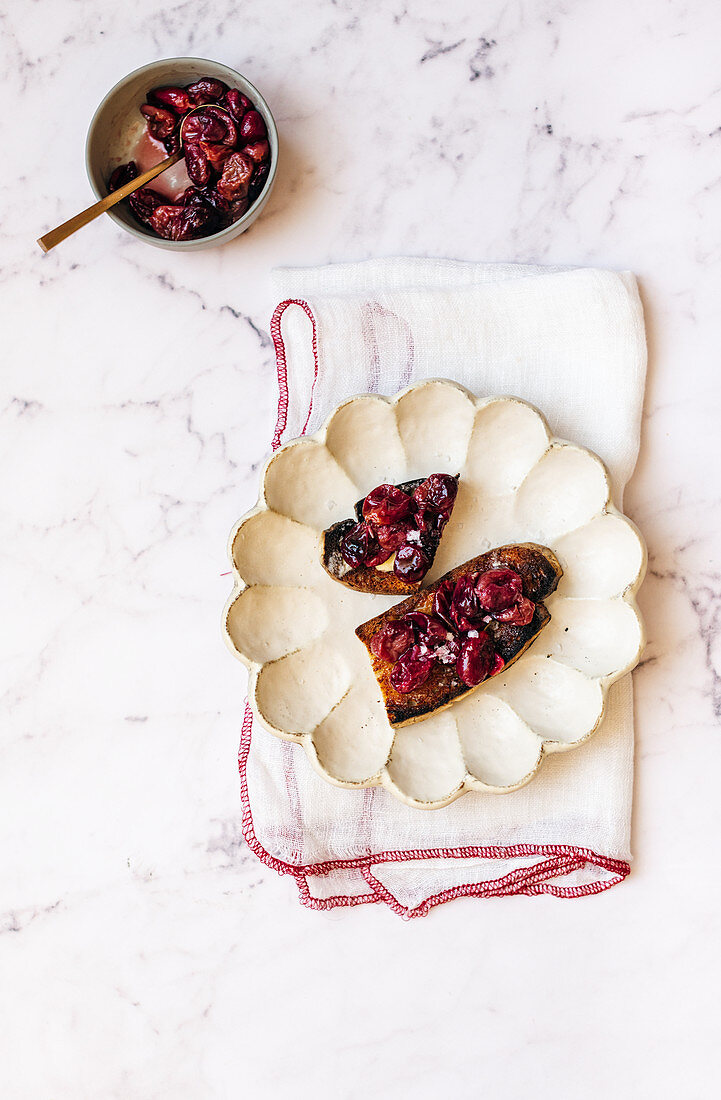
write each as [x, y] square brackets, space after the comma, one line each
[572, 343]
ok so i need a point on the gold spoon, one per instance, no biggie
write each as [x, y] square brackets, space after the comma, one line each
[55, 236]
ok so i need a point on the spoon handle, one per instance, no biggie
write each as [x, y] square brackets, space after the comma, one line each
[55, 236]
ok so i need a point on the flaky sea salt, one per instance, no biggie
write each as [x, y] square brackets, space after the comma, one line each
[445, 655]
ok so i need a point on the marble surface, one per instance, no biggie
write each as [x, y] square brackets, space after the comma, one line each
[144, 952]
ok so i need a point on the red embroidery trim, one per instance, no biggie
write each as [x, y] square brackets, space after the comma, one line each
[279, 346]
[556, 859]
[560, 860]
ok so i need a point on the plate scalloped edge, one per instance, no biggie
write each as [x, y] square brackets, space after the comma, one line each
[428, 413]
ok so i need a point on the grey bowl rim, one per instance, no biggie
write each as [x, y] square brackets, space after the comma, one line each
[230, 231]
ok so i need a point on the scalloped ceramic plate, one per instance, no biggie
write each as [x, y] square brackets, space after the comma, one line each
[293, 625]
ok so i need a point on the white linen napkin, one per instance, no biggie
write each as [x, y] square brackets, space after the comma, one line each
[570, 341]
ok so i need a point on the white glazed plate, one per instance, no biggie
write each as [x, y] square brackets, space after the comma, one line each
[293, 625]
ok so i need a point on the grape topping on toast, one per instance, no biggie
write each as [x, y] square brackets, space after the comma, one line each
[390, 543]
[445, 640]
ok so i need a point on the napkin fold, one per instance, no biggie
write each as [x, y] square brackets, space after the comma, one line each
[570, 341]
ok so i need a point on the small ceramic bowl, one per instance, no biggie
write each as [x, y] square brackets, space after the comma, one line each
[117, 124]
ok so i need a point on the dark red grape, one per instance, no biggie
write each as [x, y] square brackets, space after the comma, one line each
[442, 599]
[238, 207]
[145, 202]
[498, 589]
[208, 199]
[172, 98]
[378, 555]
[393, 535]
[429, 521]
[201, 222]
[205, 125]
[237, 171]
[519, 615]
[252, 128]
[476, 659]
[221, 206]
[428, 630]
[192, 197]
[434, 499]
[216, 154]
[230, 130]
[386, 504]
[123, 174]
[206, 90]
[466, 610]
[259, 152]
[181, 223]
[197, 164]
[437, 492]
[411, 669]
[236, 103]
[161, 123]
[410, 564]
[258, 181]
[357, 544]
[392, 640]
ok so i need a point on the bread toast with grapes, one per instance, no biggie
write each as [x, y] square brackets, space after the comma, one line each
[537, 572]
[383, 578]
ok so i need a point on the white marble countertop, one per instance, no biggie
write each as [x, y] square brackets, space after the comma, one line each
[145, 952]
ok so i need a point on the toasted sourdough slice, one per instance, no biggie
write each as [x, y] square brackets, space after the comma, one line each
[378, 580]
[540, 573]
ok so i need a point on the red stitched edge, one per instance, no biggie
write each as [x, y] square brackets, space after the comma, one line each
[279, 347]
[560, 859]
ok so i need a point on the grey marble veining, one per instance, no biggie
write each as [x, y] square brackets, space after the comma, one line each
[144, 951]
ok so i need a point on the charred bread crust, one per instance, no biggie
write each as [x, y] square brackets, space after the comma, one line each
[540, 573]
[365, 578]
